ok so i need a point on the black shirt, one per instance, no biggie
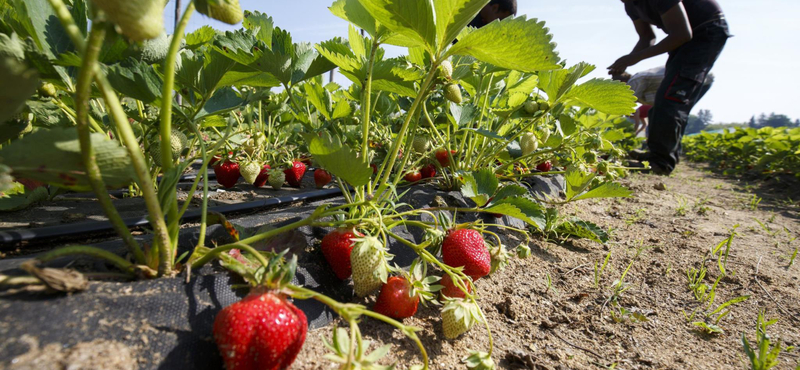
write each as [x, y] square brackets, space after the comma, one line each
[650, 11]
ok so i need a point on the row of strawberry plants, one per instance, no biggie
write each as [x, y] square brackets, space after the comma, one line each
[478, 116]
[767, 151]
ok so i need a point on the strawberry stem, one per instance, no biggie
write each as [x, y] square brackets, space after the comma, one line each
[95, 252]
[161, 236]
[83, 90]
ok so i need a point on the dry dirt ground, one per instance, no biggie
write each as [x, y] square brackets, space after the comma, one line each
[546, 312]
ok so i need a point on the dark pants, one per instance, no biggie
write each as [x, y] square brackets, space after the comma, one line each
[683, 86]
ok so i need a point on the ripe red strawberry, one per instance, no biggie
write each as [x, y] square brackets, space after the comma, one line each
[321, 178]
[450, 289]
[428, 171]
[374, 168]
[465, 247]
[396, 299]
[413, 176]
[544, 167]
[306, 161]
[263, 176]
[227, 173]
[441, 156]
[294, 175]
[336, 247]
[262, 331]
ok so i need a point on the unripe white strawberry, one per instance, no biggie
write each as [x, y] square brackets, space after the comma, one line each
[528, 143]
[139, 20]
[421, 144]
[250, 171]
[530, 107]
[452, 92]
[458, 316]
[368, 261]
[446, 70]
[276, 178]
[227, 11]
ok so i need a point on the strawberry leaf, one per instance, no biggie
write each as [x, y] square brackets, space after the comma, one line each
[412, 20]
[606, 190]
[453, 15]
[607, 96]
[522, 208]
[23, 198]
[583, 229]
[338, 159]
[513, 43]
[259, 24]
[480, 186]
[54, 157]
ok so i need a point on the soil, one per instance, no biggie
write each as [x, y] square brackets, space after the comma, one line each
[568, 324]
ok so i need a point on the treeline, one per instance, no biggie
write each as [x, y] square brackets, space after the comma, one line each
[703, 121]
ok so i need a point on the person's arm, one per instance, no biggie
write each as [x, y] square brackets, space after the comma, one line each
[676, 23]
[647, 37]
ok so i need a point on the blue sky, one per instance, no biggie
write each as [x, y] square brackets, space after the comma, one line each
[758, 71]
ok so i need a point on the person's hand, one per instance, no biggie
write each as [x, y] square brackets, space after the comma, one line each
[622, 64]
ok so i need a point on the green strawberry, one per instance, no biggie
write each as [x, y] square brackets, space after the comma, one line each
[139, 20]
[545, 134]
[47, 90]
[227, 11]
[528, 143]
[452, 92]
[543, 105]
[368, 260]
[421, 144]
[530, 107]
[446, 70]
[250, 171]
[458, 316]
[155, 51]
[276, 178]
[178, 141]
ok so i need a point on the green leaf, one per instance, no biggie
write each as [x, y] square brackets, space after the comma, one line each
[583, 229]
[515, 83]
[53, 156]
[453, 15]
[316, 96]
[11, 129]
[223, 100]
[511, 190]
[486, 133]
[729, 303]
[200, 37]
[23, 200]
[576, 182]
[480, 186]
[19, 81]
[411, 19]
[606, 190]
[521, 208]
[338, 159]
[513, 43]
[353, 12]
[463, 114]
[138, 80]
[607, 96]
[341, 109]
[259, 24]
[557, 83]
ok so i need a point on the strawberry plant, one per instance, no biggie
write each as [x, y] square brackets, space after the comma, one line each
[474, 116]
